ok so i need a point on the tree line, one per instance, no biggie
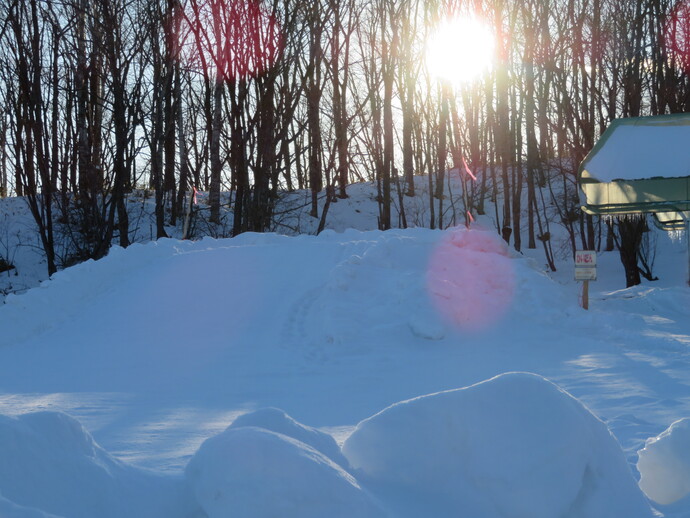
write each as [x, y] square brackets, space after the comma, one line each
[255, 98]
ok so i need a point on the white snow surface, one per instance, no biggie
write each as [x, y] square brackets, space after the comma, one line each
[642, 150]
[664, 465]
[145, 384]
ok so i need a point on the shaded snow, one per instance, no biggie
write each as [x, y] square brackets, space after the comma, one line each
[49, 462]
[11, 510]
[275, 420]
[512, 446]
[160, 347]
[251, 472]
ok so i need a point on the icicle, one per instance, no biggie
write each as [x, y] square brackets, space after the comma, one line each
[676, 235]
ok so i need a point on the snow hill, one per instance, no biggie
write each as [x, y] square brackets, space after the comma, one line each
[398, 374]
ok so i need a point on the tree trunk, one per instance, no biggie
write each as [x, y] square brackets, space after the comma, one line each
[630, 236]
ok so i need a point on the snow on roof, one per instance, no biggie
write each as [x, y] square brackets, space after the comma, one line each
[641, 148]
[638, 165]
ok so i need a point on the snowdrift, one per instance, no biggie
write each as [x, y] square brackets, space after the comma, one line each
[49, 462]
[513, 446]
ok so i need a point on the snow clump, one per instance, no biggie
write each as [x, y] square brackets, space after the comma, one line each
[664, 464]
[251, 472]
[513, 446]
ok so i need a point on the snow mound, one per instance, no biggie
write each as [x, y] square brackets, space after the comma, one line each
[49, 462]
[664, 464]
[250, 472]
[276, 420]
[513, 446]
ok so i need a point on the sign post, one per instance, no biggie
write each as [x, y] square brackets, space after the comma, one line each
[585, 270]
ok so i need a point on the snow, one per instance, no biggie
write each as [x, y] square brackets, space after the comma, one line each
[50, 462]
[275, 420]
[664, 465]
[470, 278]
[493, 450]
[253, 472]
[11, 510]
[202, 378]
[642, 149]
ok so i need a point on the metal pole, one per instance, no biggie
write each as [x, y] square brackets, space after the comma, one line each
[686, 220]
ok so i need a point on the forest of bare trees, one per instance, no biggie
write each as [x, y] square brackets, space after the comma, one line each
[101, 97]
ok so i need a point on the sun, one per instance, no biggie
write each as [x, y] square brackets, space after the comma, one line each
[460, 49]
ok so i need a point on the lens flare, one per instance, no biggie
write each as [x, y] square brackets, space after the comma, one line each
[677, 35]
[229, 39]
[470, 279]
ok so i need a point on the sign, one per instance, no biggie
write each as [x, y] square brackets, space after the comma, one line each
[585, 274]
[585, 259]
[585, 265]
[585, 270]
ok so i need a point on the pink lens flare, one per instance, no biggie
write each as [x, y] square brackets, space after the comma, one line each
[467, 169]
[231, 39]
[470, 279]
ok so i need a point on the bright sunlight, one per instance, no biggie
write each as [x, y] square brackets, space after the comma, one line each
[460, 49]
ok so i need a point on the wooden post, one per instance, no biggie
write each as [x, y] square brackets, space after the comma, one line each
[585, 294]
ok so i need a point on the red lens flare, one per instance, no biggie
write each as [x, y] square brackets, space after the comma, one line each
[230, 39]
[470, 279]
[677, 35]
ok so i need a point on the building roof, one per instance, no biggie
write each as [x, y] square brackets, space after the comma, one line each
[639, 165]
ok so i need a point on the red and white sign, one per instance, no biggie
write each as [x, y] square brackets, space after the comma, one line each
[585, 259]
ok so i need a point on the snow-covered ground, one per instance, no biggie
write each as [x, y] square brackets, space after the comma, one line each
[355, 374]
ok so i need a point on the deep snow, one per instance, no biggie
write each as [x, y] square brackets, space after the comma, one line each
[156, 350]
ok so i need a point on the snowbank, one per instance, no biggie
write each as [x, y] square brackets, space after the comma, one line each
[664, 465]
[251, 472]
[49, 462]
[513, 446]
